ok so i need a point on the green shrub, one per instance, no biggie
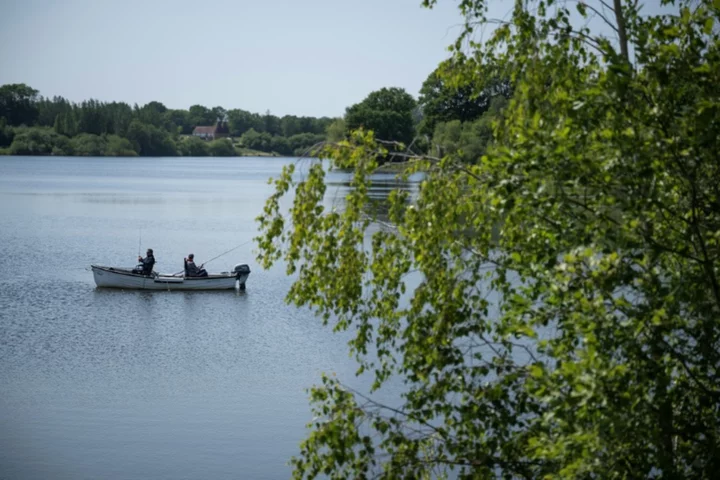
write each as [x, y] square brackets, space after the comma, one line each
[119, 147]
[39, 141]
[221, 148]
[194, 147]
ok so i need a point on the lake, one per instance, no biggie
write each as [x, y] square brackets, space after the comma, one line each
[105, 384]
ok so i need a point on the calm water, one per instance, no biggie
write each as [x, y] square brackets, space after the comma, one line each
[102, 384]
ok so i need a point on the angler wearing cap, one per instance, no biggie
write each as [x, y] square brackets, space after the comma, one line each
[147, 263]
[192, 270]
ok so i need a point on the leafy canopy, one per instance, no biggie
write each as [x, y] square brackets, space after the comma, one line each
[567, 322]
[388, 112]
[150, 130]
[444, 99]
[17, 104]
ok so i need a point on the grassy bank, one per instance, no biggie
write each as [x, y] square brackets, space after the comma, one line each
[249, 152]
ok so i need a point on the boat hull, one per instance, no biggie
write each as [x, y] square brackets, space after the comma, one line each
[110, 277]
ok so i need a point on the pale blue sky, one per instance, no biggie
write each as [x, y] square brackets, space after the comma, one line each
[303, 57]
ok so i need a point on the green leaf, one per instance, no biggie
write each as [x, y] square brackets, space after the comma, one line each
[708, 27]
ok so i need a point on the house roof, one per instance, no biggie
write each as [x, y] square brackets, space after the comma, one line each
[205, 130]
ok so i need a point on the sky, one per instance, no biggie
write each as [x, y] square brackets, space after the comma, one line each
[298, 57]
[291, 57]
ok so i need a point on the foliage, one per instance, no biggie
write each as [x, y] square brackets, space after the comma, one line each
[566, 324]
[294, 145]
[66, 124]
[39, 141]
[194, 147]
[20, 105]
[256, 140]
[290, 125]
[50, 109]
[441, 101]
[119, 147]
[45, 141]
[336, 130]
[221, 147]
[180, 119]
[158, 115]
[302, 143]
[241, 121]
[89, 145]
[6, 133]
[468, 141]
[200, 115]
[271, 123]
[388, 112]
[17, 104]
[150, 141]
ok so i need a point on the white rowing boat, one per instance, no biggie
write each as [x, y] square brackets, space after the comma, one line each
[115, 277]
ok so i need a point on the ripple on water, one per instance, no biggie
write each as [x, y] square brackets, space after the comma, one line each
[164, 385]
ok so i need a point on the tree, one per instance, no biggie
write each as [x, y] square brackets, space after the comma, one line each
[92, 118]
[119, 147]
[17, 104]
[566, 323]
[290, 125]
[194, 147]
[39, 141]
[302, 143]
[120, 114]
[442, 101]
[336, 130]
[240, 121]
[66, 124]
[221, 147]
[150, 141]
[156, 114]
[49, 109]
[180, 119]
[271, 123]
[89, 145]
[281, 145]
[156, 107]
[256, 140]
[220, 114]
[318, 126]
[203, 116]
[469, 140]
[6, 133]
[103, 121]
[388, 112]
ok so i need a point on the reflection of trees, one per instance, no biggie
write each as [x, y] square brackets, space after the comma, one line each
[379, 206]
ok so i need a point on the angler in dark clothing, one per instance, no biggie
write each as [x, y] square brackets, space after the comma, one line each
[192, 270]
[147, 263]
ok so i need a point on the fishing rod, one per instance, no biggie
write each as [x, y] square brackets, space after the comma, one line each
[218, 256]
[225, 253]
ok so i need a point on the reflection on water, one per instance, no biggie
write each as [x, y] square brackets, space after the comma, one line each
[338, 187]
[121, 384]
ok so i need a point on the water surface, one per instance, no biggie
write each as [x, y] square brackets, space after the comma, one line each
[105, 384]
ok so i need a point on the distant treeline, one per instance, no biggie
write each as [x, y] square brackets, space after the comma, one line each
[447, 118]
[34, 125]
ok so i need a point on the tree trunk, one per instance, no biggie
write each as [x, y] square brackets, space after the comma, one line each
[621, 29]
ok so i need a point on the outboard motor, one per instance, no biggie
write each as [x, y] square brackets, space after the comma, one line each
[241, 270]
